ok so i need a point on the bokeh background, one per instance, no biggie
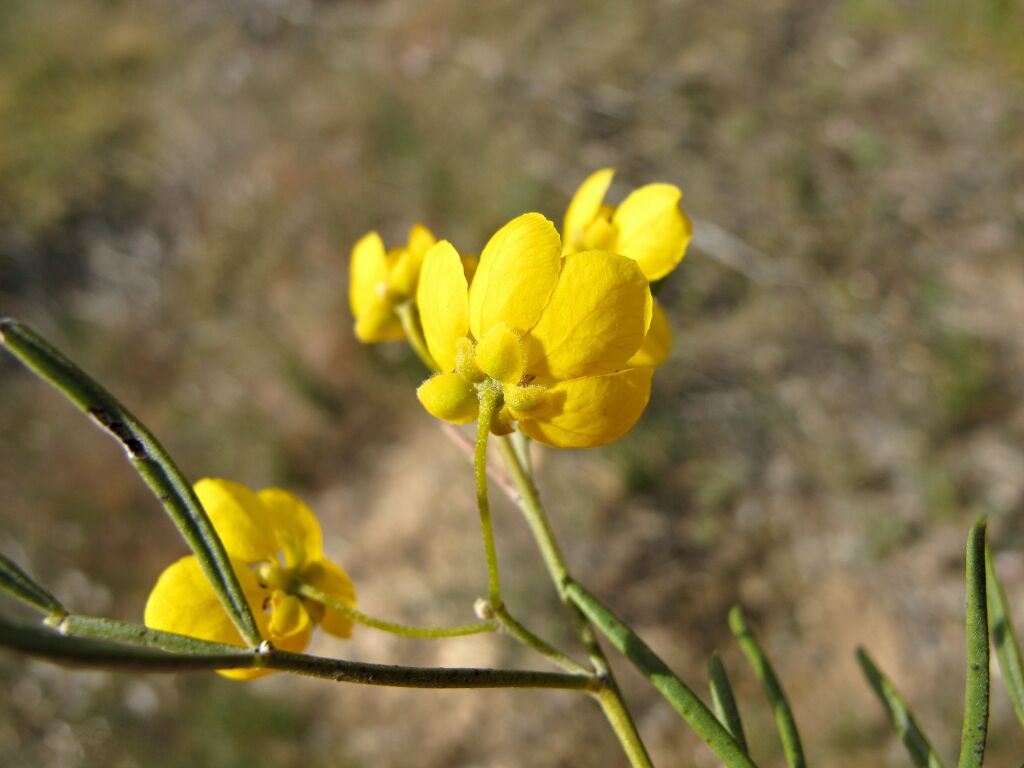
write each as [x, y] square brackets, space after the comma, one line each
[180, 184]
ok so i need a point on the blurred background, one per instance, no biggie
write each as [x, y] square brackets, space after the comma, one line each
[180, 184]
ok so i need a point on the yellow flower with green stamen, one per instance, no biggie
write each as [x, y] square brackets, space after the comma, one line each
[551, 336]
[648, 226]
[274, 543]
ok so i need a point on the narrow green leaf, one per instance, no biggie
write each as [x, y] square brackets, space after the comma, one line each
[902, 719]
[116, 631]
[724, 702]
[88, 652]
[682, 699]
[772, 687]
[1004, 638]
[976, 692]
[24, 588]
[148, 457]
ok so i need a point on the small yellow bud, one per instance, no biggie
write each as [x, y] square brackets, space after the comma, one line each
[500, 355]
[465, 361]
[525, 398]
[449, 397]
[502, 422]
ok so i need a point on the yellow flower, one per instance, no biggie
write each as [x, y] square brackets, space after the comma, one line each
[648, 226]
[551, 335]
[379, 281]
[274, 543]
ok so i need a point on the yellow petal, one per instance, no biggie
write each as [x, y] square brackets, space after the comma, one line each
[290, 626]
[499, 355]
[293, 525]
[367, 272]
[584, 207]
[241, 519]
[590, 411]
[420, 240]
[403, 274]
[332, 579]
[184, 602]
[379, 323]
[443, 302]
[517, 272]
[657, 343]
[653, 229]
[449, 397]
[595, 321]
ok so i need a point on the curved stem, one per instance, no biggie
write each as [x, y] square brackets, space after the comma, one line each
[610, 699]
[407, 313]
[541, 646]
[488, 405]
[403, 630]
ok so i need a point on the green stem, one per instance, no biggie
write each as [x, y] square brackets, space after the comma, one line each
[976, 693]
[922, 753]
[403, 630]
[541, 646]
[649, 664]
[488, 405]
[94, 653]
[784, 720]
[1004, 638]
[410, 318]
[724, 702]
[530, 504]
[615, 711]
[611, 700]
[23, 587]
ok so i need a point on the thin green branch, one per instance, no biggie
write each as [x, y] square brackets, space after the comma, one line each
[488, 406]
[784, 719]
[668, 684]
[98, 628]
[511, 625]
[105, 654]
[900, 715]
[1000, 626]
[612, 704]
[724, 702]
[976, 691]
[403, 630]
[24, 588]
[147, 456]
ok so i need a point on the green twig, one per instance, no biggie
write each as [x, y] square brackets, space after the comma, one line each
[650, 665]
[1004, 638]
[488, 405]
[900, 715]
[105, 654]
[511, 625]
[976, 691]
[723, 701]
[23, 587]
[614, 707]
[784, 719]
[147, 456]
[403, 630]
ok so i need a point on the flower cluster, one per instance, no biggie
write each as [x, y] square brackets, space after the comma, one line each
[275, 545]
[561, 332]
